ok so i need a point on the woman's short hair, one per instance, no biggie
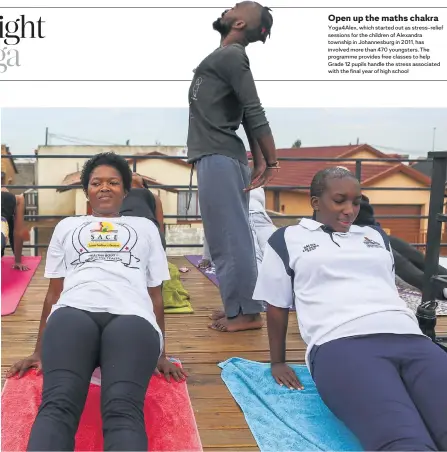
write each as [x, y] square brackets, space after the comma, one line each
[319, 181]
[109, 159]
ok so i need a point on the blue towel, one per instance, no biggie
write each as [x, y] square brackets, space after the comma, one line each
[282, 419]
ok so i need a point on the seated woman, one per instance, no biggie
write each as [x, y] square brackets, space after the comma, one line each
[103, 308]
[141, 202]
[13, 224]
[371, 364]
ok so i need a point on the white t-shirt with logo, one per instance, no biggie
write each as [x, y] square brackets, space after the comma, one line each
[108, 265]
[342, 284]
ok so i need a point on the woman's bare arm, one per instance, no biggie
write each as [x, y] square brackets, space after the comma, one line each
[159, 213]
[19, 226]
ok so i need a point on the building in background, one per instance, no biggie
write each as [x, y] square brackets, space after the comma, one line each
[8, 166]
[161, 172]
[164, 173]
[157, 171]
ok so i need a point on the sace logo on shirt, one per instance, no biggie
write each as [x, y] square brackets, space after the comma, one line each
[105, 242]
[104, 235]
[371, 243]
[310, 247]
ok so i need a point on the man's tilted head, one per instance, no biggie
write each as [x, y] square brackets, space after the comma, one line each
[248, 22]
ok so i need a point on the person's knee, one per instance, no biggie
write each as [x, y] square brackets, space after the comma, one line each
[400, 435]
[412, 444]
[64, 399]
[123, 403]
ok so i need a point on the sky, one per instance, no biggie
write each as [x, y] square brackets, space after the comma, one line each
[393, 130]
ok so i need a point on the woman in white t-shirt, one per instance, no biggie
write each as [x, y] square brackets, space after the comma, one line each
[370, 362]
[103, 308]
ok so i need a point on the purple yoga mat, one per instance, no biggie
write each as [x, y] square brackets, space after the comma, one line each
[210, 273]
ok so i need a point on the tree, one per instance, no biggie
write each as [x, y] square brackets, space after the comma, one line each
[297, 143]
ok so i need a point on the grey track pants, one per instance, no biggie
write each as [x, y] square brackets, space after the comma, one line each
[224, 208]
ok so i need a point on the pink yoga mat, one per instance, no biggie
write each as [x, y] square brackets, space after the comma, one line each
[15, 282]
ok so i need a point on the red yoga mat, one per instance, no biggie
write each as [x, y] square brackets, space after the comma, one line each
[169, 417]
[15, 282]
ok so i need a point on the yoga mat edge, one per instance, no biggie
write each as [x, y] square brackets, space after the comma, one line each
[15, 282]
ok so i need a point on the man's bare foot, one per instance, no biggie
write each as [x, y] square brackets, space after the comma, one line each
[217, 315]
[204, 264]
[239, 323]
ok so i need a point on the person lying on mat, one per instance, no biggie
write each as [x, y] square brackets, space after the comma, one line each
[103, 308]
[13, 224]
[409, 261]
[141, 202]
[371, 364]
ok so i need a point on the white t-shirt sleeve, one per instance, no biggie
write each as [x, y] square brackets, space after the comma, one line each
[274, 284]
[157, 269]
[55, 266]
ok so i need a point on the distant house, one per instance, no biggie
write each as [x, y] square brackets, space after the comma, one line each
[8, 166]
[66, 170]
[163, 173]
[373, 174]
[82, 206]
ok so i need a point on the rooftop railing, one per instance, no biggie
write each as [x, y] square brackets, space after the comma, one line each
[358, 164]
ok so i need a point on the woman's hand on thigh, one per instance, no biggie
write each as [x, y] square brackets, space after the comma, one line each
[168, 369]
[284, 375]
[22, 366]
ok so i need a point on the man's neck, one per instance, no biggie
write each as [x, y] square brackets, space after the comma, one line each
[233, 39]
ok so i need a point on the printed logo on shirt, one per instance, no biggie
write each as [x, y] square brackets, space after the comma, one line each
[371, 243]
[104, 235]
[195, 88]
[105, 242]
[310, 247]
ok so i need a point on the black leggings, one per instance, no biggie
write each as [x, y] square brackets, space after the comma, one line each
[74, 343]
[410, 264]
[3, 244]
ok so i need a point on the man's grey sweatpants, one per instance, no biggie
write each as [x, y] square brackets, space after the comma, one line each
[224, 207]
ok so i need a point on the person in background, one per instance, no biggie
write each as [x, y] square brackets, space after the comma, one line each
[13, 224]
[206, 261]
[261, 227]
[409, 261]
[141, 202]
[372, 366]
